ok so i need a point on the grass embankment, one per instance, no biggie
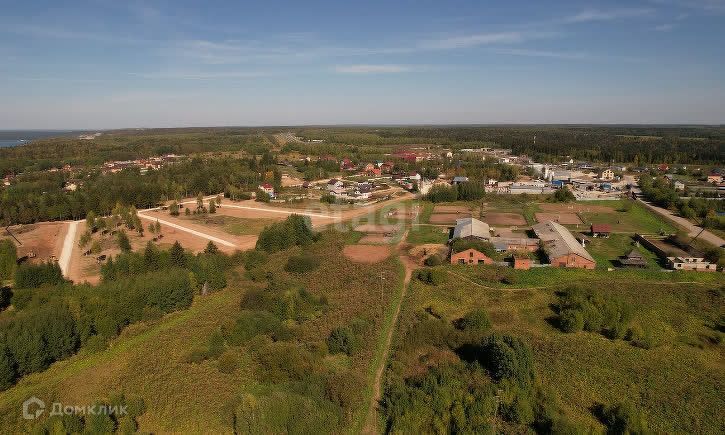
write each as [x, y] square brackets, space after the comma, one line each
[678, 385]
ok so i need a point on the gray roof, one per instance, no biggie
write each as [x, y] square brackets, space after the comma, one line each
[558, 241]
[459, 179]
[470, 227]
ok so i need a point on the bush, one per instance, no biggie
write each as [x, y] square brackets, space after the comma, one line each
[508, 357]
[433, 260]
[35, 275]
[302, 264]
[342, 340]
[8, 259]
[571, 320]
[650, 335]
[624, 418]
[228, 362]
[432, 276]
[475, 321]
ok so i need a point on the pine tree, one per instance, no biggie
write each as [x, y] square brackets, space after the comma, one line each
[177, 255]
[124, 244]
[211, 248]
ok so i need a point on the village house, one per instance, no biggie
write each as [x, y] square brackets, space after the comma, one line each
[607, 174]
[335, 185]
[471, 228]
[470, 256]
[459, 179]
[267, 188]
[347, 165]
[679, 185]
[698, 264]
[522, 263]
[601, 230]
[562, 248]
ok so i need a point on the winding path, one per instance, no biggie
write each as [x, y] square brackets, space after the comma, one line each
[371, 421]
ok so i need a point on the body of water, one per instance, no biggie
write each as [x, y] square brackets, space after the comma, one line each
[11, 138]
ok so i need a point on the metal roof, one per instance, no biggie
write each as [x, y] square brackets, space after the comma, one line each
[558, 241]
[470, 227]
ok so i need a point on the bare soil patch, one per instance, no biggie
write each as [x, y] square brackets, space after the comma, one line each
[496, 218]
[562, 218]
[367, 254]
[44, 240]
[575, 208]
[451, 209]
[447, 218]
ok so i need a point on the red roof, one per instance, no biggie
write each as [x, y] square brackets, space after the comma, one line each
[266, 186]
[601, 228]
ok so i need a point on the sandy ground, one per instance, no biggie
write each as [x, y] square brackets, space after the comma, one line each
[575, 208]
[195, 236]
[447, 218]
[44, 239]
[496, 218]
[367, 254]
[562, 218]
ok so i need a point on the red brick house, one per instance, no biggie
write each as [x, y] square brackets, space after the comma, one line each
[522, 263]
[470, 256]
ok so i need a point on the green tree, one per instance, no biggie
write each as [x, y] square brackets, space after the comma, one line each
[212, 206]
[124, 244]
[8, 259]
[85, 239]
[211, 248]
[177, 255]
[342, 340]
[174, 208]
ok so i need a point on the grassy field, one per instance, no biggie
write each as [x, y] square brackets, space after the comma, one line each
[635, 220]
[678, 385]
[151, 360]
[422, 234]
[606, 251]
[231, 224]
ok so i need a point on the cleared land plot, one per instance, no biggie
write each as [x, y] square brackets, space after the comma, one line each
[562, 218]
[231, 224]
[452, 209]
[669, 248]
[367, 254]
[497, 218]
[377, 229]
[194, 242]
[447, 218]
[43, 240]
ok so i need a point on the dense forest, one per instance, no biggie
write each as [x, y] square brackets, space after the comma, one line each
[41, 197]
[52, 319]
[636, 145]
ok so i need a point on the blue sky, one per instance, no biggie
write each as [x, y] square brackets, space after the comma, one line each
[110, 64]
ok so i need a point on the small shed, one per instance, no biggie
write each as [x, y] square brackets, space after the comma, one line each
[633, 259]
[601, 230]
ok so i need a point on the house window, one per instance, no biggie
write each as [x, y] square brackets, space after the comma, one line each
[461, 261]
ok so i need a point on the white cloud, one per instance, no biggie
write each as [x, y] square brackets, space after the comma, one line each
[609, 15]
[474, 40]
[371, 69]
[544, 53]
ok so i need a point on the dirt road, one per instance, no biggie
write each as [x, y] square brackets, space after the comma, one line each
[692, 229]
[371, 422]
[68, 244]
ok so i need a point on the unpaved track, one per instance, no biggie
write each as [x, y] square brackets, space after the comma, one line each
[371, 422]
[68, 244]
